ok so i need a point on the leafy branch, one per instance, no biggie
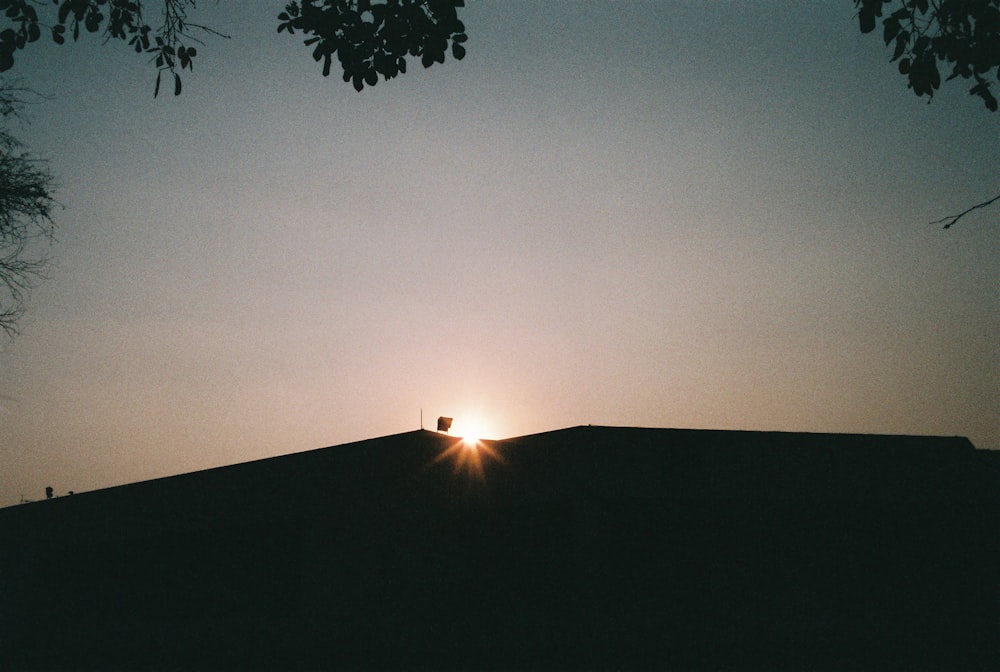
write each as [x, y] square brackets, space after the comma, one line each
[929, 34]
[116, 20]
[374, 38]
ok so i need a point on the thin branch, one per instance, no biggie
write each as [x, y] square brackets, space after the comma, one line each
[953, 219]
[207, 29]
[25, 213]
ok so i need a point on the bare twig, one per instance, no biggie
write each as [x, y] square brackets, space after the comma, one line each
[953, 219]
[26, 206]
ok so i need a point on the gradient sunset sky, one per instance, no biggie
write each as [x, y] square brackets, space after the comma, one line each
[668, 214]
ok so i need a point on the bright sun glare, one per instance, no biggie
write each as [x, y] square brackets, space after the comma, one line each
[471, 430]
[469, 453]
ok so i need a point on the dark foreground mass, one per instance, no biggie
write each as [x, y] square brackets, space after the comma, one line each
[584, 548]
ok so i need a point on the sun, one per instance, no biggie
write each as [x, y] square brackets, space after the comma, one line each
[471, 430]
[471, 451]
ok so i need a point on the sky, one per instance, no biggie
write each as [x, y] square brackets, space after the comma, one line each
[663, 214]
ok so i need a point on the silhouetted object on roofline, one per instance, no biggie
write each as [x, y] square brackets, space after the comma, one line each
[48, 492]
[444, 424]
[591, 547]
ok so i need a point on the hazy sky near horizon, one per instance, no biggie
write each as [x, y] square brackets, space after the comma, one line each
[669, 214]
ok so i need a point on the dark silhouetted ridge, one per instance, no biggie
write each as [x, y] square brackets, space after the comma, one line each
[581, 548]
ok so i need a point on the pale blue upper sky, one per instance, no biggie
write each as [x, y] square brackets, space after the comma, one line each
[671, 214]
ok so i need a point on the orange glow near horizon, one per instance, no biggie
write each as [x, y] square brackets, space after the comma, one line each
[472, 428]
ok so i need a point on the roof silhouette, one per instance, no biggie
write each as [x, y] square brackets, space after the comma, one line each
[586, 547]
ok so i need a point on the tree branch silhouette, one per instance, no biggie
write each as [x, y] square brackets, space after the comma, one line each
[927, 35]
[368, 37]
[374, 38]
[951, 220]
[26, 205]
[116, 20]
